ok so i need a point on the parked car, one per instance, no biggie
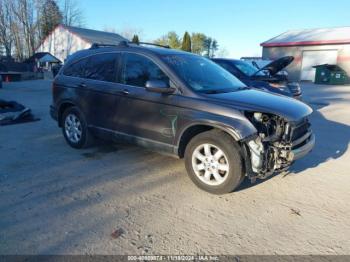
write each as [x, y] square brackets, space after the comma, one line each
[183, 105]
[55, 69]
[0, 81]
[260, 63]
[266, 78]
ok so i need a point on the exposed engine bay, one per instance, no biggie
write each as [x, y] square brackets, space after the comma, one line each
[271, 150]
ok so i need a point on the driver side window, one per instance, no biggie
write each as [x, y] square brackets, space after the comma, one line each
[138, 69]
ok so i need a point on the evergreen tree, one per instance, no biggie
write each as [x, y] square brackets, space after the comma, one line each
[50, 17]
[135, 39]
[197, 40]
[186, 42]
[171, 39]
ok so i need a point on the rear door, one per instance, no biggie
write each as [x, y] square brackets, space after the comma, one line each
[95, 87]
[100, 80]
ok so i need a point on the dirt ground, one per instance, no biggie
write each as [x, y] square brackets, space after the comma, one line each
[58, 200]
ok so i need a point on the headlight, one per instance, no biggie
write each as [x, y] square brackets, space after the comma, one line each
[294, 87]
[260, 117]
[277, 85]
[270, 127]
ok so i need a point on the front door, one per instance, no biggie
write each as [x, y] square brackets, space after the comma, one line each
[146, 117]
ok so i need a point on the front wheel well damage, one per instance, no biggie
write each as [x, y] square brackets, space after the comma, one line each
[63, 107]
[193, 131]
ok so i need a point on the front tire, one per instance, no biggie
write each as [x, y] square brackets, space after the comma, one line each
[214, 163]
[74, 128]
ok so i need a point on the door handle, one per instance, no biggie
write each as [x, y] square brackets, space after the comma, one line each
[125, 92]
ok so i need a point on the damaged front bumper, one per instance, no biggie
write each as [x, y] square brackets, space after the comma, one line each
[265, 156]
[299, 152]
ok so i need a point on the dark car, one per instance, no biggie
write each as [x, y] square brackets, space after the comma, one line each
[183, 105]
[55, 69]
[265, 78]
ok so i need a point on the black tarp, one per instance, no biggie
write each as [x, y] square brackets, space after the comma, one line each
[12, 112]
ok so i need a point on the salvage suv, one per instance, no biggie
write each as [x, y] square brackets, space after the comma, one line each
[181, 104]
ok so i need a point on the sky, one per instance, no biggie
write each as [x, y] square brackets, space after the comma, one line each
[238, 26]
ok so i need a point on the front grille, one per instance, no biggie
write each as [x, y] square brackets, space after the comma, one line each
[294, 88]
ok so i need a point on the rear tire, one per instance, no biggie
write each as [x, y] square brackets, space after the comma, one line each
[214, 162]
[74, 128]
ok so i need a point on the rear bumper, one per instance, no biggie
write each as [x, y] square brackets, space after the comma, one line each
[53, 113]
[303, 150]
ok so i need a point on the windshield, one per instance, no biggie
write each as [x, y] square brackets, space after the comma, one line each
[247, 68]
[203, 75]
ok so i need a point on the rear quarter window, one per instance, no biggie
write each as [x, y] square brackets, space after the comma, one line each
[76, 69]
[97, 67]
[102, 67]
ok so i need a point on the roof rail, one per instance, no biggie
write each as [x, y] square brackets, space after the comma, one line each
[145, 43]
[120, 44]
[125, 44]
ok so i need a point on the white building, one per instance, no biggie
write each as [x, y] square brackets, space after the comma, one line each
[310, 47]
[65, 40]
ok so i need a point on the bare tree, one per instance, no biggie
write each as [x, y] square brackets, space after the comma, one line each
[128, 32]
[24, 23]
[18, 40]
[210, 46]
[72, 13]
[25, 14]
[222, 52]
[6, 39]
[109, 29]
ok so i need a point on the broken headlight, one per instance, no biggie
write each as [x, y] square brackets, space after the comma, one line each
[269, 150]
[270, 127]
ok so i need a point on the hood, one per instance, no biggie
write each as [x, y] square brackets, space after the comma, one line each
[277, 65]
[265, 86]
[260, 101]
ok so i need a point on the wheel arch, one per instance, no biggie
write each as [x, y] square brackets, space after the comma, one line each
[196, 128]
[62, 107]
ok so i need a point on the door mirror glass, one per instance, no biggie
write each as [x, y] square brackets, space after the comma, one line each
[159, 86]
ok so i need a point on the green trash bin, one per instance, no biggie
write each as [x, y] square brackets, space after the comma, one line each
[330, 75]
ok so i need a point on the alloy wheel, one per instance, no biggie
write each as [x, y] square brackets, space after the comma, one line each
[210, 164]
[73, 128]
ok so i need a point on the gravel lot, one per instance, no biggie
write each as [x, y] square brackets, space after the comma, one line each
[58, 200]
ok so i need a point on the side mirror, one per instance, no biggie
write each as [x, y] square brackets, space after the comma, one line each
[159, 86]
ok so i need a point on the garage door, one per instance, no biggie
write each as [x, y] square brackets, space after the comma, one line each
[312, 58]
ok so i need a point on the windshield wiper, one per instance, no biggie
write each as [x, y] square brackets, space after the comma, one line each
[212, 91]
[228, 90]
[243, 88]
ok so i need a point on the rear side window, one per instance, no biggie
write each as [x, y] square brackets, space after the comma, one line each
[137, 70]
[102, 67]
[97, 67]
[76, 69]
